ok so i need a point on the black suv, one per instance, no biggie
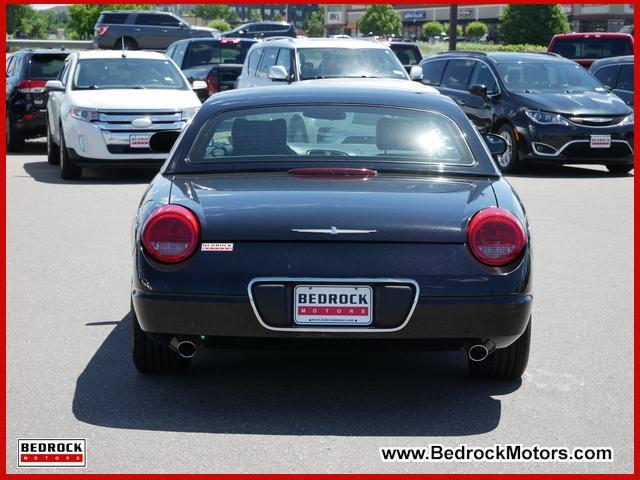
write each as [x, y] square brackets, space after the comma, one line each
[144, 29]
[546, 107]
[27, 74]
[263, 30]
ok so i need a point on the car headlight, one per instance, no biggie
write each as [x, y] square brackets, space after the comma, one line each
[85, 114]
[628, 120]
[189, 113]
[546, 118]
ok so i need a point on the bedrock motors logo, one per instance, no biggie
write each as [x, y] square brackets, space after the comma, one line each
[52, 452]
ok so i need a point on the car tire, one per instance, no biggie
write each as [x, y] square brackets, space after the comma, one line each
[509, 161]
[53, 150]
[505, 363]
[151, 357]
[68, 169]
[617, 169]
[15, 140]
[129, 44]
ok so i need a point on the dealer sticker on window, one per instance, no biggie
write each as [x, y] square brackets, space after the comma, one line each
[600, 141]
[332, 305]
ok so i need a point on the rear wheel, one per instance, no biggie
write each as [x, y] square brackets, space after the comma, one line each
[151, 357]
[505, 363]
[129, 44]
[509, 161]
[15, 139]
[620, 169]
[68, 169]
[53, 150]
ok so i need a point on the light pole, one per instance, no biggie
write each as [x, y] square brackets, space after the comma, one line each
[453, 26]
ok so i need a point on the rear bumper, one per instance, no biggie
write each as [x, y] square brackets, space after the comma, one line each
[499, 318]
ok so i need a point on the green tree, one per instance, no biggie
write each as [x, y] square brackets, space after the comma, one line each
[432, 29]
[34, 25]
[15, 14]
[277, 16]
[534, 24]
[82, 18]
[475, 30]
[314, 26]
[255, 15]
[219, 24]
[380, 19]
[210, 11]
[458, 29]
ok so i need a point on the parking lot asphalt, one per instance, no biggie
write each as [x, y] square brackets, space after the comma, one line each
[69, 371]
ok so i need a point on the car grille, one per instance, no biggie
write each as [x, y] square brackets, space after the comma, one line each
[116, 126]
[596, 121]
[583, 150]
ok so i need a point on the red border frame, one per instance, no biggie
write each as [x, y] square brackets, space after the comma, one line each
[3, 303]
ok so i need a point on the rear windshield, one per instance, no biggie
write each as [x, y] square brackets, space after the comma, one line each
[589, 48]
[361, 133]
[110, 73]
[113, 18]
[209, 53]
[407, 54]
[349, 63]
[46, 66]
[551, 77]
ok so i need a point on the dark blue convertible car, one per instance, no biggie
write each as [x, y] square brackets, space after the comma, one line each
[333, 214]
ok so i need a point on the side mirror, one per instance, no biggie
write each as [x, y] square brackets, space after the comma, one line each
[162, 142]
[278, 73]
[496, 144]
[54, 86]
[415, 73]
[479, 90]
[199, 85]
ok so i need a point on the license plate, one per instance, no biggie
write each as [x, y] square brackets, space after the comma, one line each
[139, 141]
[600, 141]
[38, 101]
[332, 305]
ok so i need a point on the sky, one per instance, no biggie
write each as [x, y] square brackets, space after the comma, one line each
[45, 6]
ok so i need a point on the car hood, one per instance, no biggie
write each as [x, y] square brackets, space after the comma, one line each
[392, 83]
[120, 99]
[268, 207]
[590, 103]
[204, 29]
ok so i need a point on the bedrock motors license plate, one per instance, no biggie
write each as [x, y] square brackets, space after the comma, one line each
[600, 141]
[332, 305]
[139, 141]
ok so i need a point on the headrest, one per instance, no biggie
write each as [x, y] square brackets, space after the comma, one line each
[393, 134]
[259, 137]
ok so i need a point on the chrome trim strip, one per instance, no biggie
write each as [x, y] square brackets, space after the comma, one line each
[568, 119]
[561, 149]
[132, 115]
[314, 280]
[330, 231]
[128, 126]
[122, 138]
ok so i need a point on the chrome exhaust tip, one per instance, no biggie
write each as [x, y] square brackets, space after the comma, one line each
[184, 348]
[480, 351]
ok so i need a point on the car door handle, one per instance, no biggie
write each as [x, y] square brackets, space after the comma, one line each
[165, 31]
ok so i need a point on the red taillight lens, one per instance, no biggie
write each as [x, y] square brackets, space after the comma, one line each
[101, 30]
[31, 86]
[495, 236]
[171, 234]
[212, 84]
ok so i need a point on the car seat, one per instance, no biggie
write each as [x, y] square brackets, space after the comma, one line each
[259, 137]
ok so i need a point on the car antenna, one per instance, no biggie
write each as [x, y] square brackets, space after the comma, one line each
[124, 52]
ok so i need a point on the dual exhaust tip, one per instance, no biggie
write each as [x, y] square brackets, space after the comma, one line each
[183, 347]
[480, 351]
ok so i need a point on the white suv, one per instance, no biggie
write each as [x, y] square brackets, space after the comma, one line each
[107, 104]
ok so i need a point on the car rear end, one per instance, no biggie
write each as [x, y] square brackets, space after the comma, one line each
[108, 29]
[585, 48]
[29, 104]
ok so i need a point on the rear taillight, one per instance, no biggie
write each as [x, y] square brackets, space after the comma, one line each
[31, 86]
[496, 237]
[171, 234]
[102, 29]
[212, 84]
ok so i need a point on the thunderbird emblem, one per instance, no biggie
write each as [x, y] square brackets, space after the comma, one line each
[331, 231]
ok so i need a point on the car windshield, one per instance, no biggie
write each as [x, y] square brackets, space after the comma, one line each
[551, 77]
[210, 53]
[349, 63]
[46, 66]
[361, 133]
[588, 48]
[118, 73]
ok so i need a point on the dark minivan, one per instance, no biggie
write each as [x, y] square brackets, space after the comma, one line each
[547, 108]
[144, 29]
[26, 98]
[616, 73]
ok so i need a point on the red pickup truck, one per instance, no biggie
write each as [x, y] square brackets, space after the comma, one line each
[586, 48]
